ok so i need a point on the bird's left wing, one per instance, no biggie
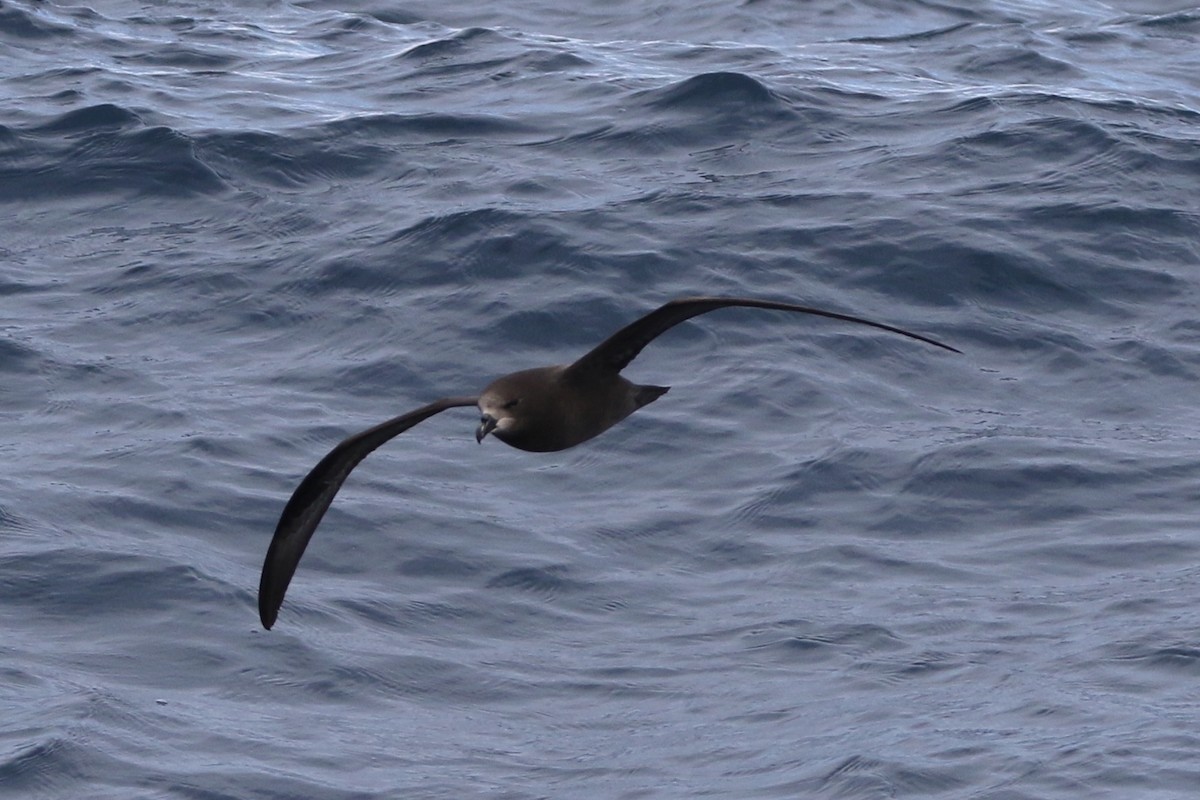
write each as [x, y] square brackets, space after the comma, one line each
[615, 352]
[313, 496]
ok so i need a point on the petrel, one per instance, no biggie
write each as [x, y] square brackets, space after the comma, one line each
[540, 410]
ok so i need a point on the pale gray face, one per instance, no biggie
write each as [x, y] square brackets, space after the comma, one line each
[497, 411]
[522, 409]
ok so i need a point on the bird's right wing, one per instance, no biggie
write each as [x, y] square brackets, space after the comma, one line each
[313, 496]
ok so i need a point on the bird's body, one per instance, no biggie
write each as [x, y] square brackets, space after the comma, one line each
[538, 410]
[553, 408]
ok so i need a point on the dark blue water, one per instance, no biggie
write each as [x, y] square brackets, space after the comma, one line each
[830, 563]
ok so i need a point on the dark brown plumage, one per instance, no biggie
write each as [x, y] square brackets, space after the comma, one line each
[539, 410]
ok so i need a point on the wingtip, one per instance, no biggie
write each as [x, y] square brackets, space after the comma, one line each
[267, 617]
[268, 603]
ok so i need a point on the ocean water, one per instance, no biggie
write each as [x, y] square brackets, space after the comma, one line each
[830, 563]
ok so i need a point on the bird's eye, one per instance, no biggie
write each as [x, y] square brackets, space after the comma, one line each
[512, 402]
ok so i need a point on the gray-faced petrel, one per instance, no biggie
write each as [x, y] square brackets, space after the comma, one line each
[540, 410]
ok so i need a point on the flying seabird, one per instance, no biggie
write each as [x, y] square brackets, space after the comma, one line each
[539, 410]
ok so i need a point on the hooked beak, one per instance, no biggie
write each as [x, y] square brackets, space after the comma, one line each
[487, 424]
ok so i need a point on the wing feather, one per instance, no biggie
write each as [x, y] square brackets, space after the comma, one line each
[314, 495]
[615, 352]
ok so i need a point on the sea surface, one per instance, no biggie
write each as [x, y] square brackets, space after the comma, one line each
[830, 563]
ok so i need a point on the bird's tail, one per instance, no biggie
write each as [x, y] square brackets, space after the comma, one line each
[648, 394]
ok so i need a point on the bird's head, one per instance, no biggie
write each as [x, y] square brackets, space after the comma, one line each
[522, 409]
[497, 412]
